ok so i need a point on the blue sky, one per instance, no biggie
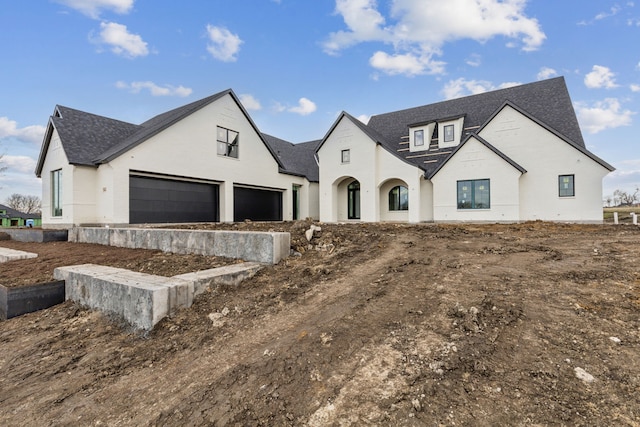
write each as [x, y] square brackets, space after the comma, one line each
[296, 64]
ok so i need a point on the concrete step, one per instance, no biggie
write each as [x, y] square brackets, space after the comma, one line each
[7, 255]
[143, 299]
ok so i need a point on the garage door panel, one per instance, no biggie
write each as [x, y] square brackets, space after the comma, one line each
[256, 204]
[158, 200]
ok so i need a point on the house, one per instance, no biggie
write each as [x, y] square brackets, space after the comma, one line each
[509, 155]
[10, 217]
[205, 161]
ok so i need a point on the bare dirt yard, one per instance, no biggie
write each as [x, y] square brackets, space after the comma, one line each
[404, 325]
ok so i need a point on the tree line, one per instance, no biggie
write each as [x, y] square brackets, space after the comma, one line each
[623, 198]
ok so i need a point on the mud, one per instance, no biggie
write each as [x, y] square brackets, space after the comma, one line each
[528, 324]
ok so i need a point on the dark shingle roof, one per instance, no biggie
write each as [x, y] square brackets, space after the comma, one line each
[91, 140]
[546, 101]
[85, 136]
[12, 213]
[297, 159]
[155, 125]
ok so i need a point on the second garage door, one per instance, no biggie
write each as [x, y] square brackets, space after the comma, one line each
[256, 204]
[159, 200]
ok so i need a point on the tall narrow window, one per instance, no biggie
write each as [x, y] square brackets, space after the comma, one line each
[345, 156]
[566, 186]
[399, 198]
[474, 194]
[227, 142]
[418, 138]
[448, 133]
[353, 200]
[56, 193]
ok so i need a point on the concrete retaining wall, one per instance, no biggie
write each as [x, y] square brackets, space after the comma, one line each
[265, 247]
[143, 299]
[15, 301]
[36, 235]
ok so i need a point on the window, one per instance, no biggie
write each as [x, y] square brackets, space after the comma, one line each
[227, 143]
[566, 186]
[418, 138]
[474, 194]
[448, 133]
[346, 156]
[56, 193]
[399, 198]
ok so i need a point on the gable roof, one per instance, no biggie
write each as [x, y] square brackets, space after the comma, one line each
[484, 142]
[83, 135]
[12, 213]
[297, 159]
[91, 140]
[547, 101]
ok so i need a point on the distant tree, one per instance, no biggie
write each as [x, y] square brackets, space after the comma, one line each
[608, 200]
[24, 203]
[624, 198]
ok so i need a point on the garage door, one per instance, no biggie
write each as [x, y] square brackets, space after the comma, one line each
[256, 204]
[158, 200]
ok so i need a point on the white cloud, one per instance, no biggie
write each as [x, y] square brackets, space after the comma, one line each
[122, 42]
[20, 164]
[10, 129]
[546, 73]
[474, 60]
[304, 107]
[250, 103]
[600, 77]
[602, 115]
[612, 12]
[420, 28]
[364, 118]
[463, 87]
[223, 45]
[626, 177]
[93, 8]
[407, 64]
[634, 88]
[154, 89]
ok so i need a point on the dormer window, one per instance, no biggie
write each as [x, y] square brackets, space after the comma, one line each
[418, 138]
[448, 133]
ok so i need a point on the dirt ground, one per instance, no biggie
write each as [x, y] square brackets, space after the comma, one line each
[531, 324]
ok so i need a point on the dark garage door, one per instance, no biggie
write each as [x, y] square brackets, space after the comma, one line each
[156, 200]
[256, 205]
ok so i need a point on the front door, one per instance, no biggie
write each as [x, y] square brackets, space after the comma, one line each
[353, 200]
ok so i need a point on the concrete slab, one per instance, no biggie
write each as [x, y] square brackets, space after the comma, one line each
[7, 255]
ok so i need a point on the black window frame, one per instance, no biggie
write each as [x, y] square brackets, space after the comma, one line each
[415, 138]
[564, 192]
[470, 202]
[56, 193]
[225, 147]
[445, 137]
[399, 198]
[345, 159]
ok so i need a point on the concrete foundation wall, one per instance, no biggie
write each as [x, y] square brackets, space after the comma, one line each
[262, 247]
[36, 235]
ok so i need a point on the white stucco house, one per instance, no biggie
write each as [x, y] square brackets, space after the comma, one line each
[509, 155]
[205, 161]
